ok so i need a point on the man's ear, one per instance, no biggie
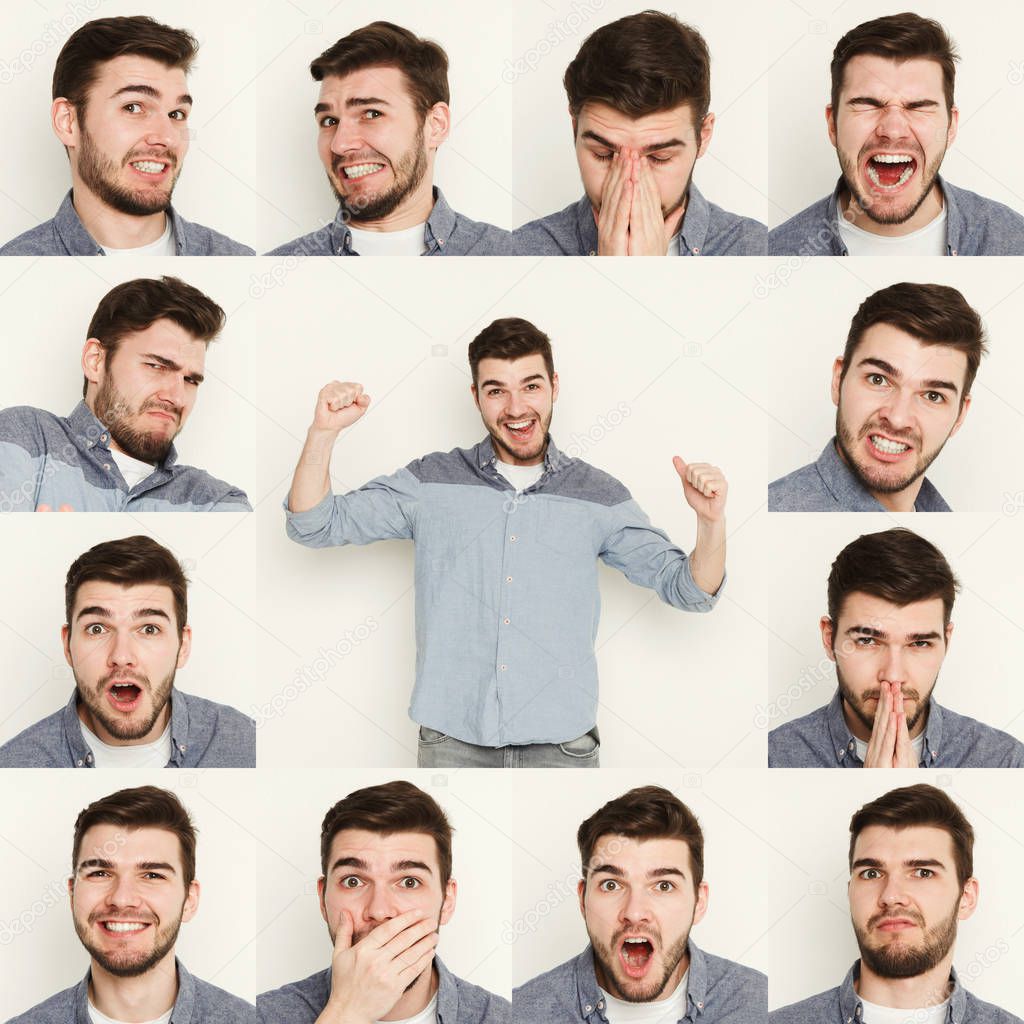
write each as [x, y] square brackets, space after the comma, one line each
[954, 125]
[554, 386]
[830, 122]
[827, 637]
[451, 891]
[837, 376]
[580, 890]
[968, 900]
[437, 126]
[64, 121]
[707, 129]
[963, 412]
[94, 360]
[185, 649]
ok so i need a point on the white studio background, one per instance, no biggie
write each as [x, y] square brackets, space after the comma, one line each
[252, 171]
[810, 945]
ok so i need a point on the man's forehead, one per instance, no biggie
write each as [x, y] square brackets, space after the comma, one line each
[621, 129]
[879, 77]
[915, 359]
[872, 612]
[895, 845]
[123, 600]
[165, 338]
[380, 81]
[123, 845]
[381, 851]
[636, 856]
[135, 69]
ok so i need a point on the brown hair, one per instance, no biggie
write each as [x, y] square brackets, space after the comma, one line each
[129, 562]
[934, 314]
[647, 812]
[920, 805]
[103, 39]
[510, 338]
[144, 807]
[385, 809]
[642, 64]
[896, 565]
[135, 305]
[899, 37]
[382, 44]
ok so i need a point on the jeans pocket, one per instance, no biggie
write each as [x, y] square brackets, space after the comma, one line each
[431, 737]
[583, 747]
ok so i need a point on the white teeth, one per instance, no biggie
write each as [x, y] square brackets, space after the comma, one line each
[148, 166]
[889, 447]
[361, 170]
[124, 926]
[520, 425]
[636, 940]
[892, 158]
[903, 178]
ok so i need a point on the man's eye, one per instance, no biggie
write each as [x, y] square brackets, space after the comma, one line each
[608, 885]
[876, 378]
[924, 873]
[372, 115]
[410, 883]
[179, 115]
[328, 121]
[493, 393]
[602, 156]
[350, 882]
[659, 159]
[870, 873]
[935, 397]
[128, 107]
[921, 645]
[151, 629]
[864, 641]
[94, 629]
[665, 886]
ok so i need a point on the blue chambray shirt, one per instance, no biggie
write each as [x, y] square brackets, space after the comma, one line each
[204, 734]
[57, 460]
[718, 991]
[842, 1005]
[507, 599]
[198, 1002]
[975, 226]
[446, 233]
[822, 739]
[65, 235]
[707, 230]
[458, 1002]
[829, 485]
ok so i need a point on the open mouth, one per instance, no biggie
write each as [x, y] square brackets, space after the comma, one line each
[520, 430]
[356, 172]
[636, 955]
[152, 169]
[886, 449]
[125, 697]
[889, 172]
[123, 928]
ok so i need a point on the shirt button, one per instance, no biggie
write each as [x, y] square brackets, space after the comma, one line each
[587, 1009]
[503, 667]
[955, 252]
[513, 537]
[182, 749]
[440, 241]
[103, 437]
[79, 763]
[106, 466]
[600, 1005]
[508, 579]
[696, 250]
[507, 621]
[591, 253]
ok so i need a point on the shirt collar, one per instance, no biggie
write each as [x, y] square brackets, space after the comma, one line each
[590, 997]
[82, 756]
[554, 459]
[844, 745]
[91, 433]
[181, 1013]
[439, 227]
[79, 242]
[852, 1009]
[692, 232]
[447, 994]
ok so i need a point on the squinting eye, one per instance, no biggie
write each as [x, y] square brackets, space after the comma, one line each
[602, 156]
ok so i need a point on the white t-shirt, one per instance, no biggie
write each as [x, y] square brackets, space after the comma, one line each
[133, 470]
[673, 245]
[664, 1011]
[927, 241]
[131, 757]
[520, 477]
[409, 242]
[917, 744]
[163, 246]
[874, 1014]
[100, 1018]
[428, 1015]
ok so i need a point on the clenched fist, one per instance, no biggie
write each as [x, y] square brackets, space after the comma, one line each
[339, 405]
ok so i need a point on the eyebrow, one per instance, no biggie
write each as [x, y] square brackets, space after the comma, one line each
[873, 101]
[880, 634]
[617, 872]
[500, 383]
[142, 865]
[148, 90]
[398, 865]
[653, 148]
[933, 384]
[354, 101]
[139, 613]
[922, 862]
[170, 364]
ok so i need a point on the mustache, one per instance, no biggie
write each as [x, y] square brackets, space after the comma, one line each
[909, 915]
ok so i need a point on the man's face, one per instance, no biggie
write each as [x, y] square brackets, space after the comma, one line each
[666, 140]
[515, 398]
[639, 904]
[376, 877]
[876, 641]
[128, 897]
[122, 645]
[891, 131]
[129, 143]
[898, 404]
[374, 146]
[144, 393]
[905, 900]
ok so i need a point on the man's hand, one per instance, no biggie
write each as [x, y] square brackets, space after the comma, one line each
[704, 487]
[890, 746]
[48, 508]
[616, 201]
[368, 978]
[339, 405]
[647, 228]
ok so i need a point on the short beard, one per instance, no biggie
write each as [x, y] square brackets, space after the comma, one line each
[120, 968]
[896, 961]
[866, 203]
[846, 440]
[606, 959]
[868, 721]
[112, 409]
[409, 173]
[99, 174]
[117, 727]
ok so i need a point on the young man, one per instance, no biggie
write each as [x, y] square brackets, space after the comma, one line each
[386, 888]
[901, 388]
[382, 114]
[125, 637]
[143, 362]
[132, 886]
[642, 892]
[891, 119]
[911, 882]
[890, 599]
[639, 91]
[120, 109]
[507, 535]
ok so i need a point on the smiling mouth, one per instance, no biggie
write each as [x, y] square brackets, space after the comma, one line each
[356, 171]
[889, 172]
[123, 927]
[150, 168]
[521, 430]
[636, 955]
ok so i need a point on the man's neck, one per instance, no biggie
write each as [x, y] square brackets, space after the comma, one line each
[852, 212]
[141, 998]
[413, 211]
[928, 989]
[111, 228]
[416, 998]
[90, 722]
[892, 501]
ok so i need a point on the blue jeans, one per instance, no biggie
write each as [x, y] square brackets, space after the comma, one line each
[438, 750]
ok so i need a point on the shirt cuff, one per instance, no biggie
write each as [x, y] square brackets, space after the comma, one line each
[314, 520]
